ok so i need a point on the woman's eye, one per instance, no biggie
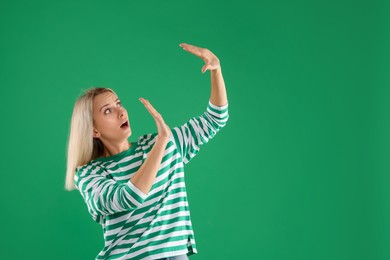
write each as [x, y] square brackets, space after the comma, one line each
[119, 104]
[107, 111]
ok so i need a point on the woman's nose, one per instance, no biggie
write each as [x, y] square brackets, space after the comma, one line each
[121, 113]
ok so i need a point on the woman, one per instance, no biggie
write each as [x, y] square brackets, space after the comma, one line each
[136, 190]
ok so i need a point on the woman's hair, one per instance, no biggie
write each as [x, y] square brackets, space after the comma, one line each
[82, 147]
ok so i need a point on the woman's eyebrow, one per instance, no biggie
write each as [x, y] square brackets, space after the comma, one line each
[107, 104]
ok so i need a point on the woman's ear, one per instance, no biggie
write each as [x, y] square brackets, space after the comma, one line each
[96, 134]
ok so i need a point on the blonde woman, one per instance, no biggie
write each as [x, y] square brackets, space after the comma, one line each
[136, 190]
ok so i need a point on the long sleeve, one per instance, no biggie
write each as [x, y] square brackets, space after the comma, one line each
[199, 130]
[105, 196]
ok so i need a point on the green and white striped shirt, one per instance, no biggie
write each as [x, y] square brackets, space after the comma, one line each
[157, 224]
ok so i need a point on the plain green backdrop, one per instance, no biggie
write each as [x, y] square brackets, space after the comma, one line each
[301, 170]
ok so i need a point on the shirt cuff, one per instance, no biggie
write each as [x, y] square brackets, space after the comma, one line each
[218, 107]
[136, 193]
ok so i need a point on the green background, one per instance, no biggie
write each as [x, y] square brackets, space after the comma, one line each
[301, 170]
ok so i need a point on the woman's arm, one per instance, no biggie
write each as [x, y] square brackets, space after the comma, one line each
[200, 129]
[218, 91]
[218, 95]
[146, 175]
[143, 179]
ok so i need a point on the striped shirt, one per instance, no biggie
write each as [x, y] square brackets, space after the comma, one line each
[157, 224]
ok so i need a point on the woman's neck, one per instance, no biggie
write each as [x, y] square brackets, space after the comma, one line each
[113, 149]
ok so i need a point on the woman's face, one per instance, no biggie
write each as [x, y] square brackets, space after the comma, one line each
[111, 122]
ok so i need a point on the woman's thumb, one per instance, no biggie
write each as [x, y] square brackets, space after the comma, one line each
[205, 67]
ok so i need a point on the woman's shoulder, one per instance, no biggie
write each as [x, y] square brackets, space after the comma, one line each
[147, 139]
[91, 167]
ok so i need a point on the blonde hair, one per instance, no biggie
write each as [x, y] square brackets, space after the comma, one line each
[82, 147]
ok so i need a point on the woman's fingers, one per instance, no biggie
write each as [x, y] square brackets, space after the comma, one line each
[156, 115]
[191, 48]
[211, 61]
[162, 127]
[149, 107]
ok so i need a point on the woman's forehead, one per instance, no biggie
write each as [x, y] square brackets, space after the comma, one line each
[104, 98]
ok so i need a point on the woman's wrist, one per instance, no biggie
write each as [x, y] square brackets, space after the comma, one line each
[217, 71]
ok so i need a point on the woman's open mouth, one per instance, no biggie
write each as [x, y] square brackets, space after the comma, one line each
[125, 125]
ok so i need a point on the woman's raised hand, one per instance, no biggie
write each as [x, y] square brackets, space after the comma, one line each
[162, 128]
[212, 62]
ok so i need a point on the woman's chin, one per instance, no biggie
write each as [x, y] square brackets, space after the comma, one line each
[124, 133]
[129, 133]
